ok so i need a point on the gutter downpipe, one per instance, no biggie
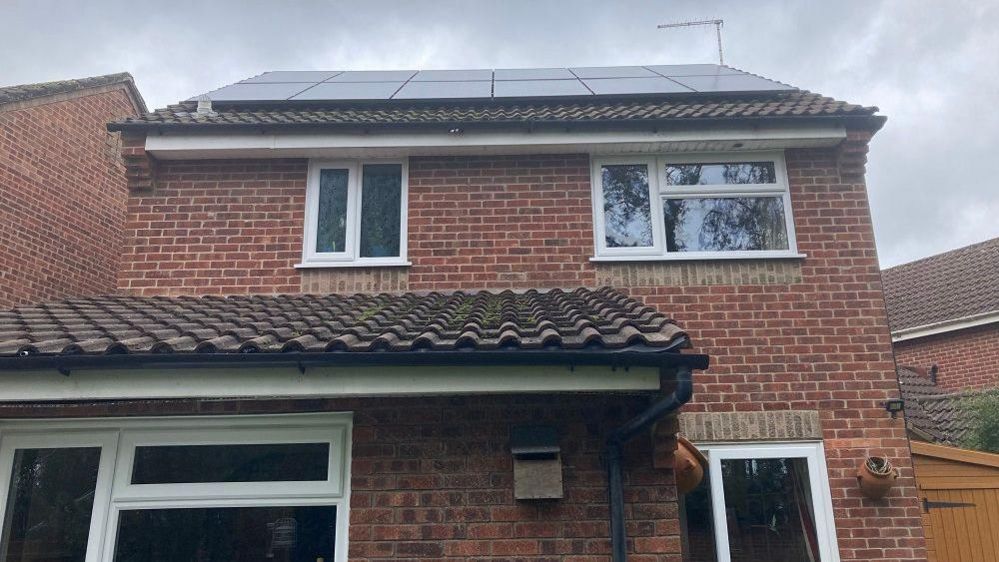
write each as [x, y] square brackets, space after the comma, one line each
[680, 396]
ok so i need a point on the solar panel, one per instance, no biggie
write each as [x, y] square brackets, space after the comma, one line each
[533, 74]
[455, 75]
[444, 90]
[729, 83]
[312, 76]
[257, 92]
[373, 76]
[692, 69]
[538, 88]
[612, 72]
[487, 84]
[624, 86]
[350, 91]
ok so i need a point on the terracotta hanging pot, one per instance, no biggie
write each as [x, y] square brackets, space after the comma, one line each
[688, 466]
[876, 476]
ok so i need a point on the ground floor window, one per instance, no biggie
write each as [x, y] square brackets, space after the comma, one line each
[248, 488]
[761, 502]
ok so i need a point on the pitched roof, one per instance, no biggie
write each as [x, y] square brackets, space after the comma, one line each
[933, 413]
[944, 287]
[779, 105]
[581, 319]
[26, 92]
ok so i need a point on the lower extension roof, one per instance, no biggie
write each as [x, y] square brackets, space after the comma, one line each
[581, 326]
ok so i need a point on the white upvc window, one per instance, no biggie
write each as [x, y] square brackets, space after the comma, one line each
[762, 501]
[356, 213]
[692, 207]
[202, 488]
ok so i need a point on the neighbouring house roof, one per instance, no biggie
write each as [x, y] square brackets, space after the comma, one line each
[952, 286]
[650, 94]
[27, 92]
[932, 413]
[581, 319]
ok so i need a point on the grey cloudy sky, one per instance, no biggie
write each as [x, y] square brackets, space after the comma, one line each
[931, 66]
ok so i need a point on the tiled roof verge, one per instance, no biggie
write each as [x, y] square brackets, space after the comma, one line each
[27, 92]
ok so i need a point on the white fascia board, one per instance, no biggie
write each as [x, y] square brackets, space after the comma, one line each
[953, 325]
[318, 382]
[175, 146]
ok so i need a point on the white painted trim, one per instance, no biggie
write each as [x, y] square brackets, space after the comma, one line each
[118, 438]
[818, 477]
[173, 145]
[350, 256]
[362, 262]
[661, 192]
[952, 325]
[317, 382]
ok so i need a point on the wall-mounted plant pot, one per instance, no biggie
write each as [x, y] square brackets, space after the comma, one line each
[688, 466]
[876, 476]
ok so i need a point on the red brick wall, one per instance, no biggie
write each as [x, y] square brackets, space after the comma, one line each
[62, 198]
[809, 334]
[432, 478]
[968, 359]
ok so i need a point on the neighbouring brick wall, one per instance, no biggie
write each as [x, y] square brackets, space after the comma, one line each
[432, 478]
[62, 196]
[806, 334]
[967, 359]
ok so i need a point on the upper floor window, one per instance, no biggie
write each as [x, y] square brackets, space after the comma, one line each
[355, 213]
[692, 207]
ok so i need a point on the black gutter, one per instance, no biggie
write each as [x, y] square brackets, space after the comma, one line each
[680, 396]
[635, 356]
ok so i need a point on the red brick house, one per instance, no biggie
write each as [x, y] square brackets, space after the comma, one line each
[452, 315]
[62, 187]
[944, 315]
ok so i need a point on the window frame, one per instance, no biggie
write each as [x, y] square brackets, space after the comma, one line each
[818, 477]
[119, 437]
[659, 192]
[351, 257]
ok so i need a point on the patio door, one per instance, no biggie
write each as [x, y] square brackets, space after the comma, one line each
[53, 495]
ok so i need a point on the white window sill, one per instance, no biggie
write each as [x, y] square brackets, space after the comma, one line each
[349, 264]
[701, 257]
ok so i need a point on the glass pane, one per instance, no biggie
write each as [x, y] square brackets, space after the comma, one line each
[331, 231]
[725, 224]
[731, 173]
[49, 503]
[697, 523]
[627, 210]
[226, 534]
[769, 508]
[381, 211]
[231, 463]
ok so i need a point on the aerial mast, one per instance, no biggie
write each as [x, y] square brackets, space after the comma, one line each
[717, 23]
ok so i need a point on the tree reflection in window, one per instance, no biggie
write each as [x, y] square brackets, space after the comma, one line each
[735, 173]
[627, 209]
[381, 200]
[725, 224]
[331, 235]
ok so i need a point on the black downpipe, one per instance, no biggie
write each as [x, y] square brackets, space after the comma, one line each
[680, 396]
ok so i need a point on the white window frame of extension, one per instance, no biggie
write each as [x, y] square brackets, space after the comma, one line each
[659, 192]
[119, 437]
[350, 257]
[818, 478]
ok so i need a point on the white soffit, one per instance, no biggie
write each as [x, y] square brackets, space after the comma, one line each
[316, 382]
[173, 146]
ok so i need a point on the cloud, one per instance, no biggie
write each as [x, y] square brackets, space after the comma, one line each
[930, 66]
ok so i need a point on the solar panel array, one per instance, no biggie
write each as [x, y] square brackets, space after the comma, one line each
[358, 85]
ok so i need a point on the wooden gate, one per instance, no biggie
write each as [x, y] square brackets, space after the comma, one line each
[960, 498]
